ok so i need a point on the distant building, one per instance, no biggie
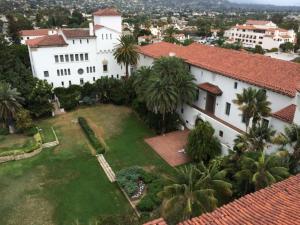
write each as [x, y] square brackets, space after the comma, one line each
[75, 56]
[263, 33]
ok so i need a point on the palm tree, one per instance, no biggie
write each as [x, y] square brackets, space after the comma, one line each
[126, 52]
[291, 137]
[170, 31]
[140, 81]
[254, 104]
[9, 102]
[257, 139]
[259, 170]
[192, 191]
[161, 97]
[187, 89]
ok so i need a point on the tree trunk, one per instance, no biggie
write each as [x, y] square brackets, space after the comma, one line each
[163, 124]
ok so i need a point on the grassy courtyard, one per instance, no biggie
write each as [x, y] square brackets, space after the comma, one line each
[65, 184]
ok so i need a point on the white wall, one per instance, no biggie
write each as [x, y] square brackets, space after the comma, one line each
[113, 22]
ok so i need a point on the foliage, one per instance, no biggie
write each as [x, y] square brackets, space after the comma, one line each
[128, 179]
[188, 42]
[258, 49]
[39, 99]
[287, 47]
[259, 171]
[257, 139]
[202, 144]
[100, 149]
[15, 25]
[126, 52]
[9, 102]
[69, 97]
[234, 46]
[164, 86]
[253, 104]
[23, 120]
[4, 131]
[192, 191]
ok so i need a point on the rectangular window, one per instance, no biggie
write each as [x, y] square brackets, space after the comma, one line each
[105, 68]
[86, 56]
[73, 42]
[110, 36]
[197, 95]
[106, 35]
[58, 73]
[66, 73]
[221, 133]
[81, 81]
[56, 58]
[118, 76]
[80, 41]
[46, 73]
[69, 72]
[87, 40]
[61, 72]
[62, 83]
[235, 85]
[81, 57]
[227, 111]
[61, 58]
[94, 69]
[76, 57]
[70, 83]
[102, 36]
[265, 123]
[94, 78]
[72, 57]
[67, 58]
[88, 69]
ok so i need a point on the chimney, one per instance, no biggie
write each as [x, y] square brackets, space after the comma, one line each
[91, 27]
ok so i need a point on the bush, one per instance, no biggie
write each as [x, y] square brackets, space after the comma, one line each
[4, 131]
[30, 131]
[146, 204]
[100, 149]
[88, 101]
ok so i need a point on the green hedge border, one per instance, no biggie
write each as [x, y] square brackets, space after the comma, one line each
[91, 136]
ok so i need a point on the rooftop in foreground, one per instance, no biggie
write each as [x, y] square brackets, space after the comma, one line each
[276, 205]
[273, 74]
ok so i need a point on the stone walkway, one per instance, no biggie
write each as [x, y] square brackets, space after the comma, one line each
[106, 167]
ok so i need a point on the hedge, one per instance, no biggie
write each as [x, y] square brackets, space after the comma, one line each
[27, 148]
[100, 149]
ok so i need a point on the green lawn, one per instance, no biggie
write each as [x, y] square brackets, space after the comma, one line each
[13, 141]
[46, 132]
[66, 183]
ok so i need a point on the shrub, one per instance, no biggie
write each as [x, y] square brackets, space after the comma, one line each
[30, 131]
[4, 131]
[88, 101]
[127, 178]
[146, 204]
[100, 149]
[23, 120]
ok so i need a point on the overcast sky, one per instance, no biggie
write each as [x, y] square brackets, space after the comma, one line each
[273, 2]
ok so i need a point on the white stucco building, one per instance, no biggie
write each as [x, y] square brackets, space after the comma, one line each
[257, 32]
[75, 56]
[221, 74]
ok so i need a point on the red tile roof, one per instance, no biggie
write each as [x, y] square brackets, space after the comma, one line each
[107, 12]
[275, 205]
[257, 22]
[76, 33]
[286, 114]
[265, 72]
[159, 221]
[49, 40]
[213, 89]
[37, 32]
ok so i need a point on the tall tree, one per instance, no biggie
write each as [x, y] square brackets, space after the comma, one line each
[192, 191]
[126, 52]
[9, 103]
[253, 104]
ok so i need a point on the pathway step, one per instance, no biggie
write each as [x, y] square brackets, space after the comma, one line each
[106, 167]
